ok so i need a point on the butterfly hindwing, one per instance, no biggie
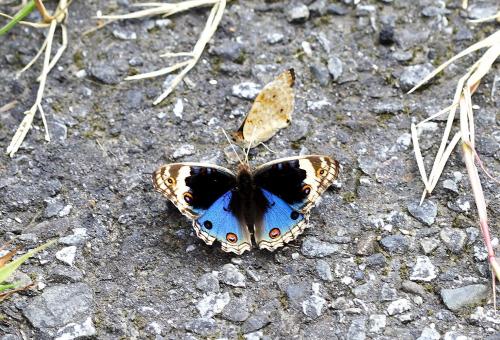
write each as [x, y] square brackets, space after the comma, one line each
[299, 181]
[271, 111]
[280, 223]
[193, 187]
[219, 223]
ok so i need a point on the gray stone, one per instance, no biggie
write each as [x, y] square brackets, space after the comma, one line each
[320, 73]
[133, 99]
[324, 271]
[255, 322]
[60, 305]
[429, 333]
[357, 329]
[246, 90]
[313, 305]
[202, 326]
[454, 239]
[53, 206]
[375, 260]
[387, 293]
[79, 236]
[230, 275]
[423, 270]
[182, 151]
[237, 310]
[392, 107]
[228, 50]
[124, 34]
[366, 244]
[312, 247]
[377, 323]
[212, 304]
[482, 10]
[136, 61]
[75, 330]
[337, 9]
[414, 288]
[450, 185]
[425, 213]
[274, 38]
[402, 56]
[335, 67]
[412, 75]
[457, 298]
[67, 255]
[318, 8]
[208, 283]
[398, 307]
[428, 245]
[433, 11]
[65, 274]
[105, 74]
[395, 244]
[298, 14]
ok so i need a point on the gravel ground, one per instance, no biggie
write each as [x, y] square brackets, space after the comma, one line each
[374, 265]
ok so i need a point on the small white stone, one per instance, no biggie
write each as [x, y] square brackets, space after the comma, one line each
[76, 330]
[65, 211]
[81, 73]
[295, 256]
[429, 333]
[307, 48]
[212, 304]
[423, 270]
[67, 255]
[212, 82]
[190, 248]
[398, 307]
[178, 108]
[377, 322]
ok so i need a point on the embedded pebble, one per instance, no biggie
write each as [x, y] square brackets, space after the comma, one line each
[298, 14]
[237, 310]
[183, 150]
[313, 305]
[335, 67]
[320, 73]
[274, 38]
[413, 287]
[454, 239]
[357, 329]
[79, 236]
[395, 244]
[324, 270]
[386, 35]
[423, 270]
[481, 10]
[398, 307]
[375, 260]
[230, 275]
[366, 244]
[75, 330]
[123, 34]
[212, 304]
[457, 298]
[246, 90]
[53, 206]
[104, 73]
[387, 293]
[67, 255]
[428, 245]
[228, 50]
[412, 75]
[202, 326]
[256, 322]
[425, 213]
[312, 247]
[337, 9]
[429, 333]
[450, 185]
[377, 323]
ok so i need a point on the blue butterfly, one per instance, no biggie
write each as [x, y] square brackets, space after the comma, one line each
[273, 201]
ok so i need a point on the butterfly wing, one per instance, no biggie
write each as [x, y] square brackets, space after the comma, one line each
[271, 111]
[219, 223]
[292, 186]
[280, 223]
[202, 192]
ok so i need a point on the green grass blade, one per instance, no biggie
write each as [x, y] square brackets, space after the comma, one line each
[11, 267]
[23, 12]
[7, 287]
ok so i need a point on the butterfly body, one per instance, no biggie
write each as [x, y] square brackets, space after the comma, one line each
[272, 202]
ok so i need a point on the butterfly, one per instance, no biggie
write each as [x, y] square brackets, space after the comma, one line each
[270, 112]
[270, 203]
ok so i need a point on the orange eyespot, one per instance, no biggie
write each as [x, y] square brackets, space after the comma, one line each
[231, 237]
[274, 233]
[170, 180]
[188, 197]
[322, 172]
[306, 189]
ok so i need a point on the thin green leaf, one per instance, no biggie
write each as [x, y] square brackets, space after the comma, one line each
[23, 13]
[11, 267]
[7, 287]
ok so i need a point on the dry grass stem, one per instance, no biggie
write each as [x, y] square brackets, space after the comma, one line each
[466, 87]
[166, 10]
[57, 19]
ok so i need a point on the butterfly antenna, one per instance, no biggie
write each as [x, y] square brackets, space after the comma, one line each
[250, 144]
[267, 147]
[232, 146]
